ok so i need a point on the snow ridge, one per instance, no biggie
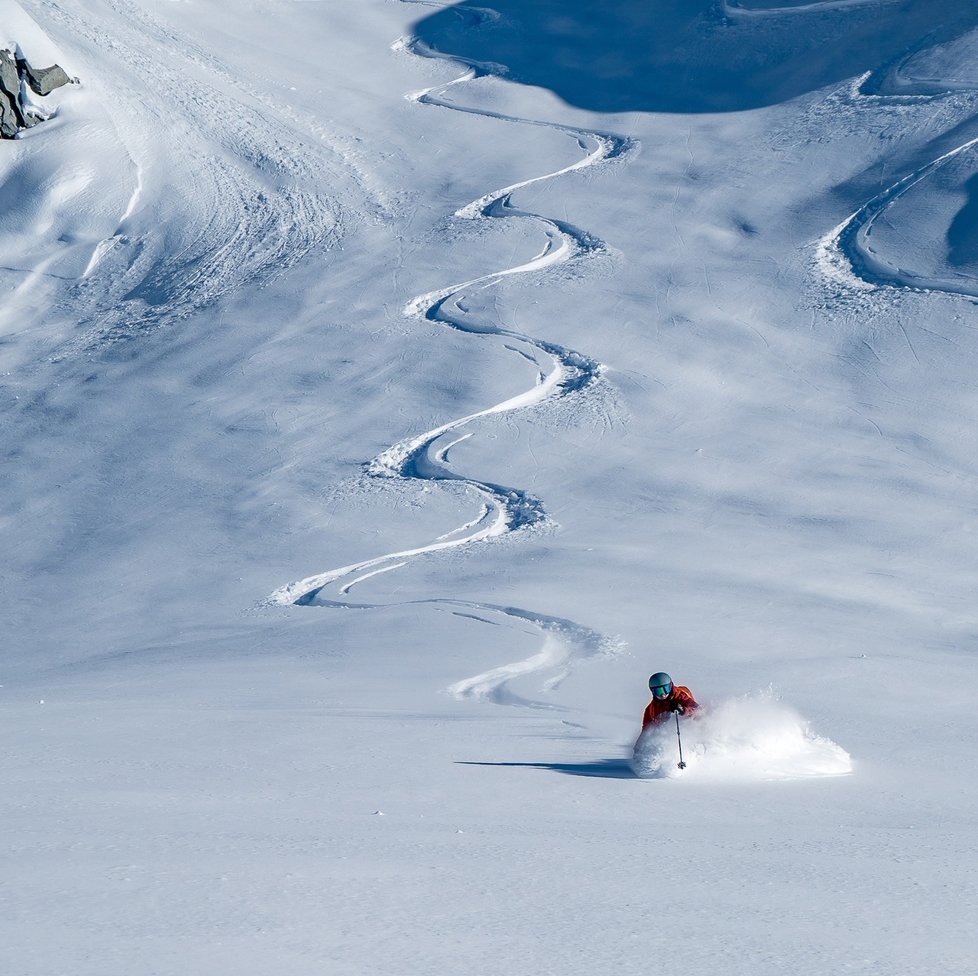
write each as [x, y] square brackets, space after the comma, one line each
[562, 373]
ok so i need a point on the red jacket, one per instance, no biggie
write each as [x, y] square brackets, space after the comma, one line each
[658, 709]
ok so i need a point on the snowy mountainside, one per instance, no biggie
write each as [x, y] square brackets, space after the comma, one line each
[391, 387]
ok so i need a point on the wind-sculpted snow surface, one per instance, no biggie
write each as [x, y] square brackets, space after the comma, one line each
[927, 68]
[560, 373]
[756, 737]
[877, 246]
[240, 170]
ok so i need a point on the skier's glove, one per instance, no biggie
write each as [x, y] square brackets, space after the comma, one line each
[678, 708]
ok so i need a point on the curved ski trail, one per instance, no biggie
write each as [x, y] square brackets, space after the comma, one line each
[846, 254]
[560, 373]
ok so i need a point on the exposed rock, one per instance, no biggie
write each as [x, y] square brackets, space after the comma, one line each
[43, 81]
[8, 119]
[16, 110]
[11, 117]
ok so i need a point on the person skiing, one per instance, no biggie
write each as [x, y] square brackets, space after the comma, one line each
[666, 699]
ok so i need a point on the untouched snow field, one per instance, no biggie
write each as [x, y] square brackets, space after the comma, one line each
[390, 387]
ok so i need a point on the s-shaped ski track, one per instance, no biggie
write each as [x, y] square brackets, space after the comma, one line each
[567, 374]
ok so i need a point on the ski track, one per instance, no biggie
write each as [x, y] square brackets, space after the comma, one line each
[560, 373]
[845, 255]
[734, 8]
[565, 644]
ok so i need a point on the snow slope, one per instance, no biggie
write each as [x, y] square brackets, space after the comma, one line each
[389, 388]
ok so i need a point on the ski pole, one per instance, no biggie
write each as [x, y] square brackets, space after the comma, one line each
[682, 765]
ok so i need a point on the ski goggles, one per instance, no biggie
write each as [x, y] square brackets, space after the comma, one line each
[662, 691]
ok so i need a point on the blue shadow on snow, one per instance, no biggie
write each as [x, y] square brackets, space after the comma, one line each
[687, 55]
[605, 768]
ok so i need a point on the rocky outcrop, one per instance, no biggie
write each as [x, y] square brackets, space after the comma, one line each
[17, 111]
[43, 81]
[11, 116]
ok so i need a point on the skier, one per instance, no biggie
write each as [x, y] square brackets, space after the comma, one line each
[666, 699]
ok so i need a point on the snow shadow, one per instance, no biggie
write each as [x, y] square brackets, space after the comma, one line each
[686, 55]
[604, 768]
[962, 235]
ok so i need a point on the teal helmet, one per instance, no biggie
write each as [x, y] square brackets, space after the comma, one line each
[660, 684]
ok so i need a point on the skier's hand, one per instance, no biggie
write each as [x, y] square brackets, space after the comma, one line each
[678, 708]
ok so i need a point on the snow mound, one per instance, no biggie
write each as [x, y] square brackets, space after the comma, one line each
[20, 32]
[756, 737]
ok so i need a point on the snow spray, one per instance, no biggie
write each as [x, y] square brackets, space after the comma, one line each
[755, 737]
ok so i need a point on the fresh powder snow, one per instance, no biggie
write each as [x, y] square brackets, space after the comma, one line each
[390, 387]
